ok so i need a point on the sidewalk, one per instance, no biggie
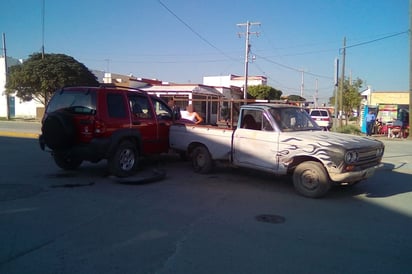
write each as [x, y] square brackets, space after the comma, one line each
[20, 129]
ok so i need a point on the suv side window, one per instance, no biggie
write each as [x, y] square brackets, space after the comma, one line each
[162, 109]
[115, 106]
[139, 106]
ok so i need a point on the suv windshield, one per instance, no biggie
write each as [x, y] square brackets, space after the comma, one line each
[82, 102]
[293, 119]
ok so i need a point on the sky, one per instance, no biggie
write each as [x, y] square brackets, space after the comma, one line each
[295, 43]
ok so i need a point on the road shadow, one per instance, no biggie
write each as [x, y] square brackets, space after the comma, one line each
[150, 170]
[386, 182]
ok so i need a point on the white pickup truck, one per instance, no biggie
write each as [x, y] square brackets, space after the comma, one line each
[281, 139]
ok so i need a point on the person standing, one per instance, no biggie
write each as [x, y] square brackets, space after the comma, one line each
[191, 115]
[370, 121]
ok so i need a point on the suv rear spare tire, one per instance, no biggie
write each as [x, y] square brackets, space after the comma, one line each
[58, 130]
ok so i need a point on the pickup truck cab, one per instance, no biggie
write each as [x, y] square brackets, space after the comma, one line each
[281, 139]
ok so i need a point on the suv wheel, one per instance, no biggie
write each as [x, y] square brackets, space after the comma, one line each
[65, 161]
[123, 162]
[58, 130]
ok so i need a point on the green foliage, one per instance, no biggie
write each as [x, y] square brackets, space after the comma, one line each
[37, 78]
[351, 96]
[296, 98]
[264, 92]
[349, 129]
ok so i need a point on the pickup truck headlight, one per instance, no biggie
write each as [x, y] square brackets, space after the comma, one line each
[379, 152]
[351, 157]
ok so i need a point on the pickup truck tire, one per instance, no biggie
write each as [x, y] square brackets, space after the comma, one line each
[123, 162]
[201, 160]
[65, 161]
[310, 179]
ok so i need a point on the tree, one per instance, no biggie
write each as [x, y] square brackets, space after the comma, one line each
[264, 92]
[295, 98]
[351, 97]
[37, 78]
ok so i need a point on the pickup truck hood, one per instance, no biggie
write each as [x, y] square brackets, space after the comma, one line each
[327, 138]
[331, 149]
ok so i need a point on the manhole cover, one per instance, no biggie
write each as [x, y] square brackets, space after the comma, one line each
[270, 218]
[10, 192]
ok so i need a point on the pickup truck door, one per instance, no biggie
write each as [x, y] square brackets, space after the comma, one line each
[256, 146]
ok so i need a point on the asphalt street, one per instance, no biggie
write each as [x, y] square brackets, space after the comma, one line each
[230, 221]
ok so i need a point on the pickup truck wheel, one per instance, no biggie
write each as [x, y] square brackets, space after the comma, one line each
[65, 161]
[310, 179]
[201, 160]
[124, 160]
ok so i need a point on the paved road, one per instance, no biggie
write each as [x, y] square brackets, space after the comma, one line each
[231, 221]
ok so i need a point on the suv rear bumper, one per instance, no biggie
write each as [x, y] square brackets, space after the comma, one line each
[94, 151]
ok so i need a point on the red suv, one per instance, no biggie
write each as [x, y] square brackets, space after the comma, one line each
[96, 123]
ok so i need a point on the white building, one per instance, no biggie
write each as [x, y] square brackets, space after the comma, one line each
[16, 107]
[234, 80]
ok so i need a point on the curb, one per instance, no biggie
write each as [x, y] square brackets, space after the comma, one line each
[19, 134]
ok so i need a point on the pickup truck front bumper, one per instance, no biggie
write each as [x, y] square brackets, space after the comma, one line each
[353, 176]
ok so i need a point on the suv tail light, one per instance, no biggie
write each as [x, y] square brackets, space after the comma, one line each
[99, 127]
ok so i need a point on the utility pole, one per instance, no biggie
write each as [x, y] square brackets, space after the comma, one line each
[42, 30]
[302, 83]
[336, 84]
[6, 76]
[316, 93]
[342, 80]
[247, 50]
[410, 69]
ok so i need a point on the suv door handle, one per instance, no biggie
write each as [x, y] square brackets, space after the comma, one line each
[136, 123]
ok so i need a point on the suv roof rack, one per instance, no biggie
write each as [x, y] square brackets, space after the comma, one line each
[120, 87]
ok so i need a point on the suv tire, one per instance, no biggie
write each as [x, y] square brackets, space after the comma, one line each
[124, 160]
[65, 161]
[58, 130]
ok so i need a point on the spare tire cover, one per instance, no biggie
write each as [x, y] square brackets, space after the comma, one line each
[58, 130]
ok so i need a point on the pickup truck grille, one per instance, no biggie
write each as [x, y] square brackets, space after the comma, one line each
[368, 158]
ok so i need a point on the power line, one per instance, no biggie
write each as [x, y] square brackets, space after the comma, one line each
[375, 40]
[194, 31]
[292, 68]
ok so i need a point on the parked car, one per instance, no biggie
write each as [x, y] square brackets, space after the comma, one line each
[322, 117]
[113, 123]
